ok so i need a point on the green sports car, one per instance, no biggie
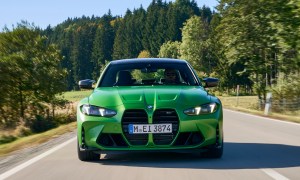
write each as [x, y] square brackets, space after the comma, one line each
[151, 104]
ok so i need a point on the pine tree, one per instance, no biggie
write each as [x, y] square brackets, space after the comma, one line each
[103, 44]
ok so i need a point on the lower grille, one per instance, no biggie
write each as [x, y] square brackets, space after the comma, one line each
[111, 140]
[188, 138]
[164, 116]
[136, 116]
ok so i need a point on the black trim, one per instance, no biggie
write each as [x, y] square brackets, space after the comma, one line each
[189, 138]
[111, 140]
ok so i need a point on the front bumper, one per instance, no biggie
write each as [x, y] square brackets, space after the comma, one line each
[109, 134]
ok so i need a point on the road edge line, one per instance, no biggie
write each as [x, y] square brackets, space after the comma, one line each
[33, 160]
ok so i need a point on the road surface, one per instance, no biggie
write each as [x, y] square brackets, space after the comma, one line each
[255, 148]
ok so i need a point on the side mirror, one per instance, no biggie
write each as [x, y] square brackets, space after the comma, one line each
[86, 84]
[210, 82]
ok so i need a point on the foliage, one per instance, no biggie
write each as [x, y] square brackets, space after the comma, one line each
[170, 50]
[256, 38]
[128, 40]
[288, 87]
[7, 139]
[194, 46]
[253, 44]
[102, 44]
[246, 43]
[30, 74]
[41, 124]
[87, 42]
[144, 54]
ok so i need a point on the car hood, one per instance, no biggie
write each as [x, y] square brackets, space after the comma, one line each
[139, 97]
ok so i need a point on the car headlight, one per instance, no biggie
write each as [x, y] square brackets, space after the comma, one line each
[90, 110]
[203, 109]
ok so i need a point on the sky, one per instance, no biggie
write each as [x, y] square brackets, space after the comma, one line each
[52, 12]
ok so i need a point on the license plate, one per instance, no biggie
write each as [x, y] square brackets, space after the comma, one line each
[149, 128]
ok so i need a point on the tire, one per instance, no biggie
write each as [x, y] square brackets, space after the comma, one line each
[87, 155]
[215, 152]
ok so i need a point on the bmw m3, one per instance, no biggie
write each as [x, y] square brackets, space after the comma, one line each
[152, 104]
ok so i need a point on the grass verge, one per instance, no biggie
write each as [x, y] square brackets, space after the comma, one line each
[35, 139]
[275, 116]
[75, 96]
[248, 104]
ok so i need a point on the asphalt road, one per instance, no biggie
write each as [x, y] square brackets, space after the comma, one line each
[255, 148]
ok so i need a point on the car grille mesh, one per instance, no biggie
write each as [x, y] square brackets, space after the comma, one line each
[136, 116]
[165, 116]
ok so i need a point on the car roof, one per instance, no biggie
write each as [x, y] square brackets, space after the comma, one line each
[149, 60]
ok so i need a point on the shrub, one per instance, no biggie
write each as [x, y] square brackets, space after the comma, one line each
[64, 118]
[7, 139]
[287, 87]
[41, 124]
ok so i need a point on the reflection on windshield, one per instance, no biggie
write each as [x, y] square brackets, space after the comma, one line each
[144, 76]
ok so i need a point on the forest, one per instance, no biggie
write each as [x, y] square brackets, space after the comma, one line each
[251, 44]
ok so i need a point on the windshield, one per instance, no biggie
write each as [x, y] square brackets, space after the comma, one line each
[147, 74]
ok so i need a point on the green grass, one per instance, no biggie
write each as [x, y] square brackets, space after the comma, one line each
[35, 139]
[75, 96]
[248, 104]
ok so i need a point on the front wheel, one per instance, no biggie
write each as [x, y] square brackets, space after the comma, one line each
[87, 155]
[215, 151]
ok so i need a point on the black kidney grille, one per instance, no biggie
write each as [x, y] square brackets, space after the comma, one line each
[135, 116]
[163, 116]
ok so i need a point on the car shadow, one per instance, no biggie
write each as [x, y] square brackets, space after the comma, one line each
[236, 156]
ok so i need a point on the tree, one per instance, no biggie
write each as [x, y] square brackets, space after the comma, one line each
[129, 35]
[253, 35]
[178, 13]
[81, 52]
[118, 47]
[155, 26]
[30, 74]
[246, 37]
[195, 43]
[170, 50]
[103, 44]
[283, 16]
[144, 54]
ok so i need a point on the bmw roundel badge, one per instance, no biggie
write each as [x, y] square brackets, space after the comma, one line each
[149, 107]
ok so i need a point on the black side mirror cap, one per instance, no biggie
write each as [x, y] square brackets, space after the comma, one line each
[210, 82]
[86, 84]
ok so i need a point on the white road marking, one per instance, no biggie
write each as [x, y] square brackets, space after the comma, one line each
[266, 118]
[33, 160]
[270, 172]
[275, 175]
